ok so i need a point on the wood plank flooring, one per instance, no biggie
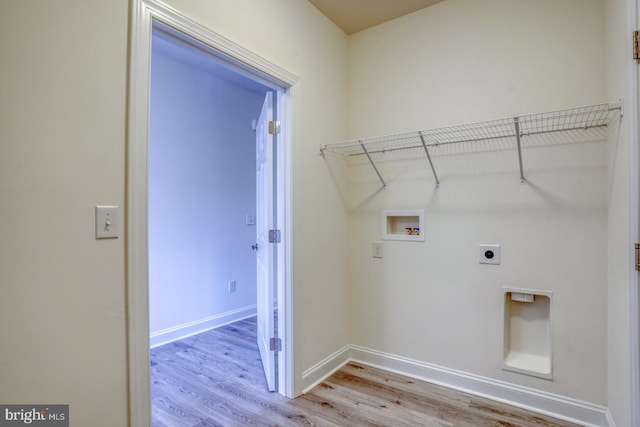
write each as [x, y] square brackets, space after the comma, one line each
[216, 379]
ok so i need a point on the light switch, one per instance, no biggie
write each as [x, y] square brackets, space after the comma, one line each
[106, 222]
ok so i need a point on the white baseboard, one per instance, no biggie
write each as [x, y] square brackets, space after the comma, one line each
[573, 410]
[175, 333]
[325, 368]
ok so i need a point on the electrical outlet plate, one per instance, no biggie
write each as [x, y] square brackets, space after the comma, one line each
[377, 249]
[489, 254]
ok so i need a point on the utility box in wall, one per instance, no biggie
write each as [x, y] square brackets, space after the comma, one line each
[527, 332]
[403, 225]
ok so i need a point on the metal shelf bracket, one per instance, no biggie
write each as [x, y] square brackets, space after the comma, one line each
[517, 124]
[375, 168]
[426, 150]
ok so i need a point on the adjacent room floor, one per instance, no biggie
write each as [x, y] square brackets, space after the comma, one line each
[216, 379]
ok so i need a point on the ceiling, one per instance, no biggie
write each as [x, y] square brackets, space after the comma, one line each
[350, 15]
[357, 15]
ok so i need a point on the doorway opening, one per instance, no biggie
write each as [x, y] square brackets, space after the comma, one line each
[212, 196]
[198, 188]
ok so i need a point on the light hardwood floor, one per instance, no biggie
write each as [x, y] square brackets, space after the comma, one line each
[216, 379]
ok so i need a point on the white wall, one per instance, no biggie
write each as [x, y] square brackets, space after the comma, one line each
[62, 127]
[202, 184]
[622, 203]
[457, 62]
[62, 151]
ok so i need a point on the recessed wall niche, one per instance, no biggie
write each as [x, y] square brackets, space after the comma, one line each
[403, 225]
[527, 332]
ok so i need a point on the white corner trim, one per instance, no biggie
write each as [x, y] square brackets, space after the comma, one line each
[561, 407]
[174, 333]
[325, 368]
[610, 420]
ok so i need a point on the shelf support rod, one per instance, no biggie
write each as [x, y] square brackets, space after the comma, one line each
[426, 150]
[384, 184]
[517, 123]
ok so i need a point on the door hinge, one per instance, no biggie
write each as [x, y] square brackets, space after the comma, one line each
[274, 236]
[637, 256]
[275, 344]
[274, 127]
[636, 46]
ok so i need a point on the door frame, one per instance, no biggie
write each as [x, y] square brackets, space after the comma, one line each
[634, 172]
[143, 15]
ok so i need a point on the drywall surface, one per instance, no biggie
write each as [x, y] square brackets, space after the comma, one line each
[621, 183]
[295, 36]
[202, 184]
[462, 61]
[62, 151]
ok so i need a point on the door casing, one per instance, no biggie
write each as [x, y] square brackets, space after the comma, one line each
[145, 14]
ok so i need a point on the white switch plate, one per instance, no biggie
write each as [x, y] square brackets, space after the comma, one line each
[106, 222]
[489, 254]
[377, 249]
[232, 285]
[250, 220]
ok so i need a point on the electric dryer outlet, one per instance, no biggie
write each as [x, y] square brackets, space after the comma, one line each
[489, 254]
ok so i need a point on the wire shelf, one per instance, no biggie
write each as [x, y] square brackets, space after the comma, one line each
[514, 128]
